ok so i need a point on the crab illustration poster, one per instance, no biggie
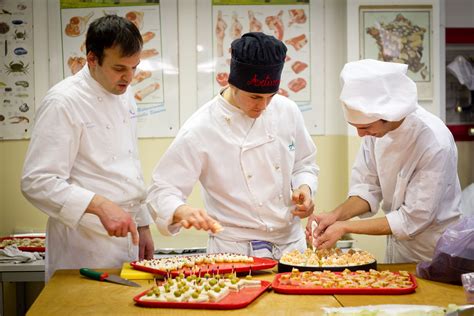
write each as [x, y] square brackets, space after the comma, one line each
[16, 69]
[287, 20]
[147, 83]
[402, 35]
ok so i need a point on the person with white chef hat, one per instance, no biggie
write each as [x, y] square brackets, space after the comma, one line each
[82, 167]
[251, 152]
[407, 165]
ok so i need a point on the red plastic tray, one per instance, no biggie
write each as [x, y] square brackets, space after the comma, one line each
[294, 289]
[30, 249]
[258, 264]
[233, 300]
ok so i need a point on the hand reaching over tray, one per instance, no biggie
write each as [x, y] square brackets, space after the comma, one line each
[198, 218]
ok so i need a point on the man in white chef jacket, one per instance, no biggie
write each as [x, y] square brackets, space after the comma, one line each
[251, 152]
[82, 167]
[407, 161]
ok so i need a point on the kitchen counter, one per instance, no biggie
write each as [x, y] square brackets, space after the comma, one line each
[68, 293]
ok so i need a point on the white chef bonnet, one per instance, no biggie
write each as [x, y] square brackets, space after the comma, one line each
[374, 90]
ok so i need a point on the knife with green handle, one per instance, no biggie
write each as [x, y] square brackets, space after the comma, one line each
[104, 276]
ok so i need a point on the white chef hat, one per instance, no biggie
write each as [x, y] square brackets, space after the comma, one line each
[374, 90]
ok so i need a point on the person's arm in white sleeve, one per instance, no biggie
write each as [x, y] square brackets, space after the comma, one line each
[51, 154]
[52, 151]
[172, 181]
[423, 193]
[305, 172]
[364, 181]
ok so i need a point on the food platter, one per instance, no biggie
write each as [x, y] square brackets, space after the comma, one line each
[233, 300]
[216, 267]
[25, 243]
[329, 283]
[327, 260]
[283, 267]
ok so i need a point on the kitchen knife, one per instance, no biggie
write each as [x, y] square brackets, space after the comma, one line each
[104, 276]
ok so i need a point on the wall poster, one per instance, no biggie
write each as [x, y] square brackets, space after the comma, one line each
[17, 91]
[291, 21]
[400, 34]
[155, 115]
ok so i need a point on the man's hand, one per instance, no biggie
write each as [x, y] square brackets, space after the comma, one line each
[146, 247]
[115, 220]
[330, 235]
[189, 217]
[303, 200]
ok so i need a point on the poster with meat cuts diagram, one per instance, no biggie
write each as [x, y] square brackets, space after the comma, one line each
[298, 23]
[148, 81]
[288, 23]
[17, 91]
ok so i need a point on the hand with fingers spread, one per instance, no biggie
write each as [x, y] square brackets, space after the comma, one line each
[189, 217]
[304, 205]
[146, 247]
[115, 219]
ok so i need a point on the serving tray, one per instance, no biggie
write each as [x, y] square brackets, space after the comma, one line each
[257, 264]
[284, 267]
[29, 249]
[233, 300]
[312, 289]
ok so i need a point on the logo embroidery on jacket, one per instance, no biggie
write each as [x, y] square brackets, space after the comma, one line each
[291, 147]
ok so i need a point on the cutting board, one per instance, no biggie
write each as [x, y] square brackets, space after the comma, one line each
[130, 273]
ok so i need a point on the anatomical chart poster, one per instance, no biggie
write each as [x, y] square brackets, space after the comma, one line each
[402, 35]
[288, 21]
[16, 69]
[148, 82]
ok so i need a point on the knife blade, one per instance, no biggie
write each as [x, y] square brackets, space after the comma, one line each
[104, 276]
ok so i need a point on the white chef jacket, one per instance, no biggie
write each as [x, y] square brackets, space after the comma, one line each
[413, 170]
[84, 142]
[247, 169]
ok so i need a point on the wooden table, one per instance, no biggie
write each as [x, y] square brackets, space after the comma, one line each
[68, 293]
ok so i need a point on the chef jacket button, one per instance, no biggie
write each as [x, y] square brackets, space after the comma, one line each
[280, 196]
[270, 229]
[270, 136]
[108, 126]
[124, 121]
[130, 151]
[227, 119]
[99, 98]
[114, 157]
[277, 167]
[132, 204]
[260, 204]
[249, 176]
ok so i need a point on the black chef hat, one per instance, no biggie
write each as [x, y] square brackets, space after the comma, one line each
[257, 62]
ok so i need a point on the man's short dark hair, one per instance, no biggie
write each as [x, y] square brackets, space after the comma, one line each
[112, 30]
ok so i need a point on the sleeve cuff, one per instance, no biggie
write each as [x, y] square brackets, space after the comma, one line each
[143, 217]
[75, 206]
[309, 180]
[396, 221]
[364, 194]
[164, 217]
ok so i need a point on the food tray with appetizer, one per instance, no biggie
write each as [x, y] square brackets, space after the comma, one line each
[206, 291]
[24, 243]
[327, 259]
[346, 282]
[212, 263]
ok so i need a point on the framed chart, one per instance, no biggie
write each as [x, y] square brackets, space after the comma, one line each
[400, 34]
[155, 84]
[298, 23]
